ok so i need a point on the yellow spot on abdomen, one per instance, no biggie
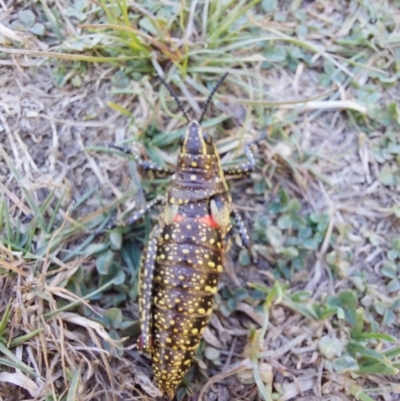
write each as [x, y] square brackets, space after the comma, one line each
[213, 290]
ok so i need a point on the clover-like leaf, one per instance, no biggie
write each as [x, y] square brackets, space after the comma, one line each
[27, 17]
[274, 235]
[104, 262]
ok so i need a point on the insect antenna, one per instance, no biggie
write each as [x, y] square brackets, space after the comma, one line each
[167, 85]
[210, 96]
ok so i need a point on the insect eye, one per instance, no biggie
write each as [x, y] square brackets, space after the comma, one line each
[207, 138]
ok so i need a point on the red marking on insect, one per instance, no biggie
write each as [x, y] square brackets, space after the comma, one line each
[178, 218]
[209, 221]
[140, 343]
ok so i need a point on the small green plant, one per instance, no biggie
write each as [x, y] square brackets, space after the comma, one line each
[289, 236]
[27, 21]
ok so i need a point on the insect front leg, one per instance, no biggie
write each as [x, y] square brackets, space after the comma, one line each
[146, 290]
[249, 165]
[146, 165]
[135, 216]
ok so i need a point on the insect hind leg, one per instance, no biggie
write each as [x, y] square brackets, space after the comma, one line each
[146, 291]
[244, 236]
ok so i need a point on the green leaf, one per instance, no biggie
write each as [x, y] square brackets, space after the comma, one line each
[393, 286]
[389, 270]
[119, 277]
[94, 249]
[25, 337]
[4, 319]
[110, 347]
[304, 310]
[78, 10]
[301, 31]
[357, 349]
[275, 54]
[389, 317]
[392, 353]
[324, 312]
[232, 304]
[38, 29]
[148, 25]
[114, 315]
[269, 5]
[374, 367]
[394, 112]
[396, 244]
[73, 388]
[358, 326]
[396, 210]
[274, 236]
[345, 364]
[392, 254]
[240, 294]
[116, 240]
[12, 361]
[104, 262]
[289, 253]
[387, 176]
[284, 222]
[27, 17]
[244, 257]
[376, 336]
[76, 81]
[347, 301]
[211, 353]
[293, 206]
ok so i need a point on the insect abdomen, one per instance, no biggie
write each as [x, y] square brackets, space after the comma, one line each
[186, 275]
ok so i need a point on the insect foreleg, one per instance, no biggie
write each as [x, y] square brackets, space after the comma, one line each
[146, 165]
[142, 212]
[249, 165]
[146, 290]
[134, 218]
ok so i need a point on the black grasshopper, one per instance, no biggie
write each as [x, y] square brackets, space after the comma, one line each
[184, 256]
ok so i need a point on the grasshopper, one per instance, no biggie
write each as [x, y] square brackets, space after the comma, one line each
[184, 257]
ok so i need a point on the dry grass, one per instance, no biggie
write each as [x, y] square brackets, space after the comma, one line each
[321, 77]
